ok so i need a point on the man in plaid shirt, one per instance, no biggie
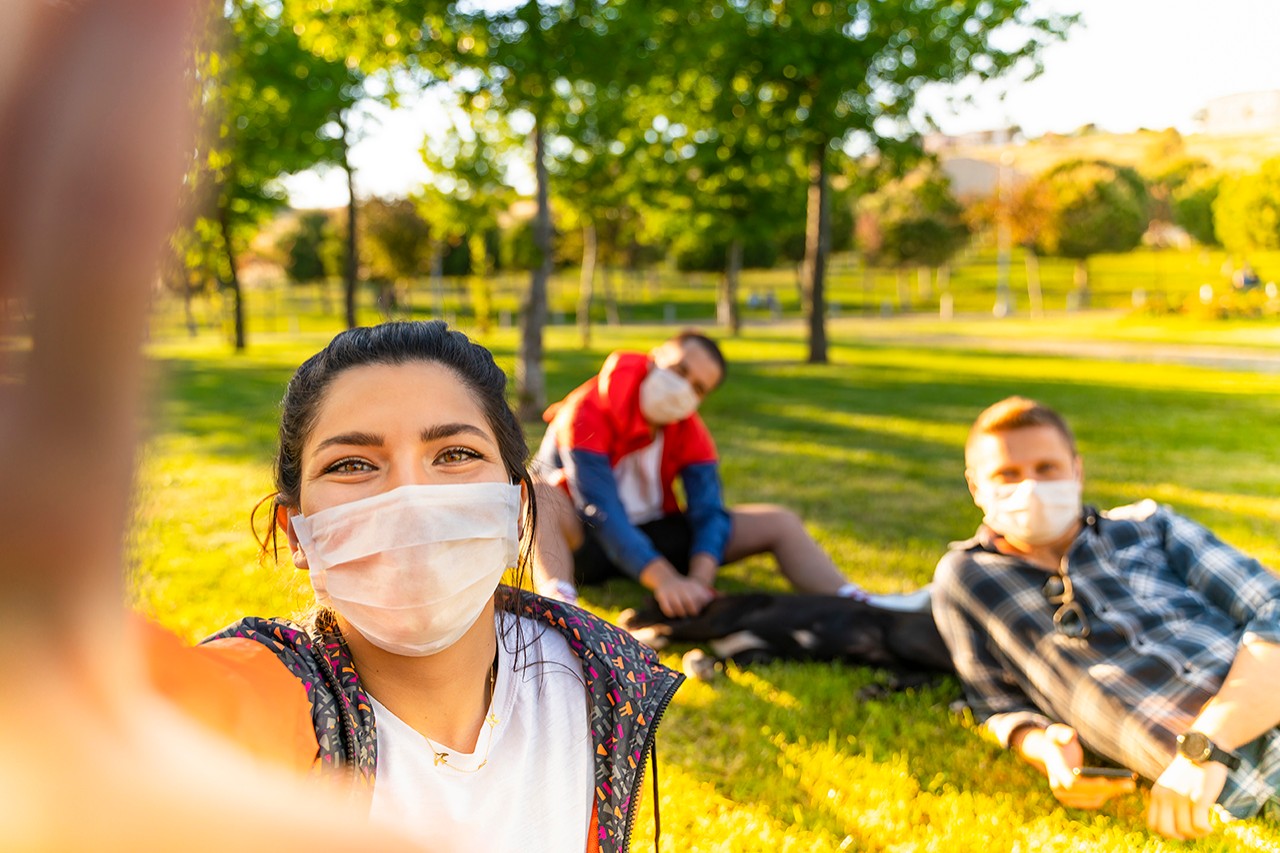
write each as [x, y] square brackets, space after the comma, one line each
[1134, 632]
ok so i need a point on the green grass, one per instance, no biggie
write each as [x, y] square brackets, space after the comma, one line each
[868, 450]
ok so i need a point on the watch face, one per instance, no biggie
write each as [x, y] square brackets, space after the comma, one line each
[1195, 746]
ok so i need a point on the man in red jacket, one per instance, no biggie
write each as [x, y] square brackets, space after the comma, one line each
[612, 451]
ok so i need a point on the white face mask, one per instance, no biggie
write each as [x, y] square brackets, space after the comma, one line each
[1036, 512]
[666, 397]
[413, 568]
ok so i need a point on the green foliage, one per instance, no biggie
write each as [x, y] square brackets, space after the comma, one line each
[1193, 203]
[419, 37]
[912, 221]
[1182, 191]
[1246, 213]
[394, 239]
[469, 191]
[278, 107]
[1096, 207]
[517, 247]
[313, 249]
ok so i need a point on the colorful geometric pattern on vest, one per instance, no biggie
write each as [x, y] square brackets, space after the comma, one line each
[629, 690]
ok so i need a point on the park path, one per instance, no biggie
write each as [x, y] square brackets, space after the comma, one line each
[907, 332]
[1247, 359]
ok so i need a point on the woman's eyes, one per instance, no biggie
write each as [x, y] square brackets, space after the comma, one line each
[457, 455]
[448, 456]
[350, 465]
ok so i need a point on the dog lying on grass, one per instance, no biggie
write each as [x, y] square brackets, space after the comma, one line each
[893, 633]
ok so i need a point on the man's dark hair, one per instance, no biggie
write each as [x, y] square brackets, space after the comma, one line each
[712, 348]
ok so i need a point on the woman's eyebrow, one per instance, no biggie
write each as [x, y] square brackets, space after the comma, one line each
[442, 431]
[359, 439]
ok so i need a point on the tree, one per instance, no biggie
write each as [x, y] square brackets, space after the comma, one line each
[269, 109]
[1246, 214]
[1029, 214]
[532, 55]
[916, 221]
[1182, 191]
[469, 194]
[1096, 206]
[600, 170]
[308, 248]
[844, 76]
[1193, 204]
[725, 180]
[396, 248]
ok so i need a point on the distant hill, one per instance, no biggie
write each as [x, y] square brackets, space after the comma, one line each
[1241, 152]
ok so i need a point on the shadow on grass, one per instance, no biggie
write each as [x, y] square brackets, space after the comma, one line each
[231, 410]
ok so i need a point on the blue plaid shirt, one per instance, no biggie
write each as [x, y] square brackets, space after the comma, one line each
[1167, 603]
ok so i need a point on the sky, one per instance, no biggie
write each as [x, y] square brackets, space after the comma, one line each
[1131, 64]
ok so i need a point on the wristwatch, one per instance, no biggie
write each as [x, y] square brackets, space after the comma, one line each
[1197, 748]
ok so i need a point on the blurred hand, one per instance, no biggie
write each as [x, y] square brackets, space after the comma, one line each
[677, 595]
[1183, 796]
[703, 569]
[93, 136]
[1058, 749]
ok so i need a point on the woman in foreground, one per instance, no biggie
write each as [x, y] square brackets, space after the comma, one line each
[471, 715]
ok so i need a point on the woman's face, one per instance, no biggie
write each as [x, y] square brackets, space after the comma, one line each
[383, 426]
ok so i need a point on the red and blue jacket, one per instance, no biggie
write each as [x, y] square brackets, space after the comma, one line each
[621, 471]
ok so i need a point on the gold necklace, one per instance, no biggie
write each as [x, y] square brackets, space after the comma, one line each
[490, 722]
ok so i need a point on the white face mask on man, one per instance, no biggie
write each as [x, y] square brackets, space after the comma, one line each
[666, 397]
[1036, 512]
[412, 569]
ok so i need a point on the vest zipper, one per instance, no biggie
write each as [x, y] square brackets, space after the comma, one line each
[348, 733]
[644, 757]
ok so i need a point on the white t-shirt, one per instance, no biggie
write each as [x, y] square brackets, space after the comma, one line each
[536, 789]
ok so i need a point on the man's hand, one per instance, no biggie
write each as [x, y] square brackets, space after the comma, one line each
[703, 568]
[677, 595]
[1057, 751]
[1183, 796]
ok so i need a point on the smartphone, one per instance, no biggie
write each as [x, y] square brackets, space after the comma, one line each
[1104, 773]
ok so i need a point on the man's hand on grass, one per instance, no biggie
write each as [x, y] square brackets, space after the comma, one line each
[1057, 750]
[677, 595]
[1182, 798]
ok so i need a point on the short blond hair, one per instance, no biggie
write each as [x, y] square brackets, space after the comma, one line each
[1018, 413]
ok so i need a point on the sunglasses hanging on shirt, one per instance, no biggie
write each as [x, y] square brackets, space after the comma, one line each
[1069, 619]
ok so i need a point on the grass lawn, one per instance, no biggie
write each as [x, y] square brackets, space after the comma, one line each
[868, 450]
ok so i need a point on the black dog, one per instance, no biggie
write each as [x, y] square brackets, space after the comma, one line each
[760, 627]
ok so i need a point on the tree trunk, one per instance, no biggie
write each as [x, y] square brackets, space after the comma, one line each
[531, 381]
[353, 259]
[924, 283]
[237, 297]
[611, 315]
[587, 283]
[187, 314]
[816, 246]
[1082, 283]
[944, 278]
[904, 290]
[480, 286]
[437, 280]
[1035, 297]
[727, 313]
